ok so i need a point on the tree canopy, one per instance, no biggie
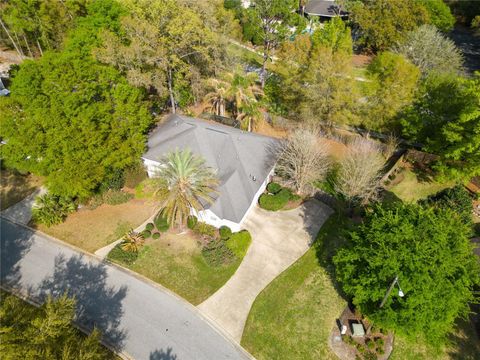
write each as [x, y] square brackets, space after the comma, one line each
[431, 51]
[430, 252]
[73, 121]
[391, 87]
[445, 118]
[163, 45]
[383, 23]
[45, 333]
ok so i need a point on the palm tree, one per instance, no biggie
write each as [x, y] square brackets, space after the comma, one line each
[132, 241]
[244, 92]
[185, 183]
[217, 98]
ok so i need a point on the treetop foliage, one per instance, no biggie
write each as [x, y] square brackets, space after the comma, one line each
[431, 253]
[445, 117]
[46, 332]
[72, 120]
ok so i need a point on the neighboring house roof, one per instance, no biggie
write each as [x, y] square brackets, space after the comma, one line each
[327, 8]
[242, 159]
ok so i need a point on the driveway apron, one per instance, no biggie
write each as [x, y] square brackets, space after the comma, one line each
[279, 239]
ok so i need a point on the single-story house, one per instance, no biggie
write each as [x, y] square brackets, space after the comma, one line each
[244, 162]
[324, 9]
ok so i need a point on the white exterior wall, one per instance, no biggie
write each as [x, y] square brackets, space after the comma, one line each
[208, 216]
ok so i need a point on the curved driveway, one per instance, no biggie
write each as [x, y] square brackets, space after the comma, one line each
[138, 318]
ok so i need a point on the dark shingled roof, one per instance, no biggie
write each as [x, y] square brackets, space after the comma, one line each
[238, 156]
[327, 8]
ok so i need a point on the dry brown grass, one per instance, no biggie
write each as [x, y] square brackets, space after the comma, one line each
[94, 229]
[14, 187]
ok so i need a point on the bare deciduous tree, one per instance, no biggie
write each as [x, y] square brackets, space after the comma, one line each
[304, 159]
[360, 171]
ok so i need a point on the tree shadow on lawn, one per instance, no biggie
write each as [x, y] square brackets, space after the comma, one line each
[98, 304]
[468, 345]
[13, 188]
[331, 237]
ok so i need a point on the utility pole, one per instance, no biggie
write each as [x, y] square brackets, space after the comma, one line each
[400, 292]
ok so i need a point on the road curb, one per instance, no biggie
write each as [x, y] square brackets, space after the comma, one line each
[145, 280]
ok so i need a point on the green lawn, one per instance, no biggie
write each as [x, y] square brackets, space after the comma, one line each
[412, 188]
[292, 317]
[176, 262]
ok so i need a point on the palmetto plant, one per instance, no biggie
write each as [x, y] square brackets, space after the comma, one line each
[52, 209]
[132, 241]
[184, 183]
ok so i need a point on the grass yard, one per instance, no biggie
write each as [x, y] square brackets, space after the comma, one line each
[292, 317]
[14, 187]
[412, 188]
[176, 262]
[91, 230]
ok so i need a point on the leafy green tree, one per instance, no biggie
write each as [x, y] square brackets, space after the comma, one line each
[457, 199]
[335, 35]
[73, 121]
[163, 45]
[383, 23]
[184, 183]
[445, 118]
[317, 77]
[439, 14]
[38, 25]
[272, 18]
[45, 333]
[430, 252]
[431, 51]
[392, 85]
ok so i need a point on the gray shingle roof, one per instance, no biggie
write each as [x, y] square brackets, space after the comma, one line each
[238, 156]
[327, 8]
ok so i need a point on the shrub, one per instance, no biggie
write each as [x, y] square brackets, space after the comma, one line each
[146, 233]
[134, 175]
[457, 198]
[94, 202]
[202, 228]
[116, 197]
[273, 188]
[225, 232]
[239, 243]
[370, 344]
[156, 235]
[113, 181]
[380, 342]
[121, 256]
[161, 222]
[52, 209]
[369, 356]
[275, 202]
[149, 226]
[216, 253]
[192, 221]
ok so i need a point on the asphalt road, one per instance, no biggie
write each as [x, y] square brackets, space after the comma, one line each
[136, 317]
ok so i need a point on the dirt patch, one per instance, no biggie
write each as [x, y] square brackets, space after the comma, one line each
[182, 242]
[361, 60]
[94, 229]
[15, 187]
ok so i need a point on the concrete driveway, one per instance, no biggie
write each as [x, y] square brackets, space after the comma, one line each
[142, 320]
[279, 239]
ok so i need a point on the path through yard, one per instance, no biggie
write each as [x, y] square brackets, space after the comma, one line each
[279, 239]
